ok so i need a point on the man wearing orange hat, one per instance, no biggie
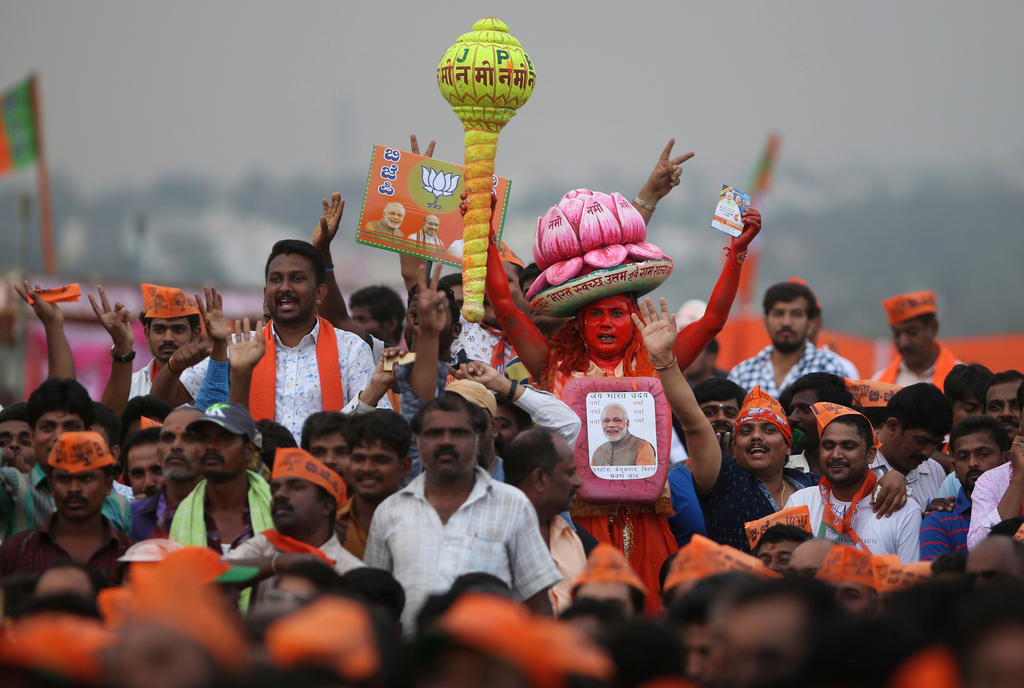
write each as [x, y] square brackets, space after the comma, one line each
[840, 504]
[914, 324]
[851, 574]
[81, 473]
[608, 577]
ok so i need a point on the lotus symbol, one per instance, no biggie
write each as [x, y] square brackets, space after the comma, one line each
[439, 184]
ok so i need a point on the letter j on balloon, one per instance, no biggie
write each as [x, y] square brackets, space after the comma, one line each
[485, 76]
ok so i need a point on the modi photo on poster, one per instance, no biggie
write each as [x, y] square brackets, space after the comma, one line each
[621, 435]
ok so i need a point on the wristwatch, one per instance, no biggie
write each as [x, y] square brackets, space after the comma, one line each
[122, 358]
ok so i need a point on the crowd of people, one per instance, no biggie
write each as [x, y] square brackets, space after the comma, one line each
[385, 494]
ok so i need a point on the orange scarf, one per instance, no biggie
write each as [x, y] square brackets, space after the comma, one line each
[283, 543]
[263, 387]
[943, 364]
[845, 524]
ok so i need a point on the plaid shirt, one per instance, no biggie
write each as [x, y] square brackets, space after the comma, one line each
[32, 552]
[759, 371]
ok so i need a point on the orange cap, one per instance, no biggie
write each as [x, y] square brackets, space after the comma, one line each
[167, 302]
[475, 393]
[146, 423]
[882, 563]
[825, 412]
[845, 564]
[67, 293]
[906, 306]
[759, 406]
[507, 255]
[871, 393]
[796, 516]
[905, 576]
[701, 558]
[331, 632]
[292, 462]
[606, 564]
[68, 645]
[75, 452]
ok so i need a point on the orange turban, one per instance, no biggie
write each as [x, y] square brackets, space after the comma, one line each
[606, 564]
[759, 406]
[167, 302]
[76, 452]
[845, 564]
[292, 462]
[871, 393]
[913, 305]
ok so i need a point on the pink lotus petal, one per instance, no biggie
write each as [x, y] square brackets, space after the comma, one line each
[598, 227]
[563, 271]
[607, 257]
[644, 251]
[559, 240]
[605, 200]
[577, 192]
[539, 285]
[572, 208]
[632, 222]
[538, 255]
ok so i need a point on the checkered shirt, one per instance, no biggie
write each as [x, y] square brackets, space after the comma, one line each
[759, 372]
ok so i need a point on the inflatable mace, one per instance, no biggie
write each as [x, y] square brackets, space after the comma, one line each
[485, 76]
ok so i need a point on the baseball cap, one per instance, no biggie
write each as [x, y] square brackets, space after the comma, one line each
[233, 417]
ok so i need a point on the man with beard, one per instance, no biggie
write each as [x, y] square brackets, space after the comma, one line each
[622, 448]
[231, 503]
[1001, 399]
[840, 504]
[179, 453]
[978, 444]
[305, 497]
[81, 472]
[797, 400]
[789, 311]
[914, 321]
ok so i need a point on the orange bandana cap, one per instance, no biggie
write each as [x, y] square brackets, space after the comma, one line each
[902, 576]
[903, 307]
[759, 406]
[871, 393]
[76, 452]
[507, 255]
[167, 302]
[845, 564]
[701, 558]
[64, 645]
[796, 516]
[292, 462]
[606, 564]
[825, 412]
[332, 632]
[69, 293]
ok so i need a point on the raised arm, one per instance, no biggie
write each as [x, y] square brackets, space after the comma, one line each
[117, 321]
[430, 318]
[411, 264]
[658, 335]
[690, 342]
[664, 177]
[58, 352]
[333, 308]
[215, 387]
[244, 353]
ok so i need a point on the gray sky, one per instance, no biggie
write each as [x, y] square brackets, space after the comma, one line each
[138, 90]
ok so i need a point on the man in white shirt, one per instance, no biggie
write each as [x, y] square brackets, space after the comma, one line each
[999, 492]
[840, 505]
[454, 518]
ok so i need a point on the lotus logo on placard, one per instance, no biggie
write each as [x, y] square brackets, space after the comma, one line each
[439, 183]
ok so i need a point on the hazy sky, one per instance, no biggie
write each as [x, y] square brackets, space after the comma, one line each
[138, 90]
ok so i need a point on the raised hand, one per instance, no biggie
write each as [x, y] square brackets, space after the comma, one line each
[248, 347]
[665, 176]
[327, 228]
[414, 146]
[478, 371]
[117, 321]
[658, 332]
[751, 228]
[187, 355]
[48, 313]
[211, 309]
[431, 304]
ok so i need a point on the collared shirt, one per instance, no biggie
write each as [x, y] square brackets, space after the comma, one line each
[298, 393]
[759, 371]
[943, 531]
[355, 536]
[142, 381]
[988, 492]
[905, 376]
[32, 551]
[923, 482]
[897, 534]
[26, 501]
[494, 531]
[567, 552]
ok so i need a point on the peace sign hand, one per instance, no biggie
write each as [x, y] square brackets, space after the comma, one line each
[117, 321]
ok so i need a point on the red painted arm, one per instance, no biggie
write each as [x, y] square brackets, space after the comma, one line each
[527, 340]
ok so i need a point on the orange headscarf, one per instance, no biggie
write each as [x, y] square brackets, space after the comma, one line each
[759, 406]
[167, 302]
[606, 564]
[844, 564]
[75, 452]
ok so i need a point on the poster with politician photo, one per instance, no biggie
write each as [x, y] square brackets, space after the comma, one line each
[621, 435]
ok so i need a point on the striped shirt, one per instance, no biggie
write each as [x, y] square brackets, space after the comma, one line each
[946, 531]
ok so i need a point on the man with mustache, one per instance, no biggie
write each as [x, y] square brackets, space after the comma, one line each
[80, 470]
[231, 503]
[1001, 399]
[797, 400]
[978, 444]
[840, 504]
[921, 358]
[789, 311]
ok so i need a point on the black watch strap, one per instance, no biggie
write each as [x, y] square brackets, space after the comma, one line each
[122, 358]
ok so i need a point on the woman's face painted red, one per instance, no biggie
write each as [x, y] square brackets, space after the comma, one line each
[607, 327]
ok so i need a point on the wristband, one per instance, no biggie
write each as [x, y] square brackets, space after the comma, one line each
[668, 365]
[644, 204]
[512, 390]
[122, 358]
[170, 367]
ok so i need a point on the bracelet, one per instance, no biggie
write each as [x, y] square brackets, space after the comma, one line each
[644, 204]
[273, 563]
[668, 365]
[512, 390]
[170, 367]
[741, 256]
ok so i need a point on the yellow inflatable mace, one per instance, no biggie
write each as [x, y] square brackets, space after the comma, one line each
[485, 76]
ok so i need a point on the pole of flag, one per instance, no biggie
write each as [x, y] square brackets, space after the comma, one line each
[760, 182]
[43, 181]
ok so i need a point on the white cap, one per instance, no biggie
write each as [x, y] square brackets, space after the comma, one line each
[152, 550]
[691, 312]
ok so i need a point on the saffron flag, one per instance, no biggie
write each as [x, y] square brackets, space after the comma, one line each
[19, 141]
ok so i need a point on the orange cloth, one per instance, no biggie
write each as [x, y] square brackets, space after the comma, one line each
[900, 577]
[65, 645]
[844, 525]
[871, 393]
[844, 564]
[796, 516]
[292, 462]
[606, 564]
[759, 406]
[355, 536]
[283, 543]
[263, 387]
[146, 423]
[67, 293]
[882, 563]
[507, 255]
[167, 302]
[197, 565]
[331, 632]
[701, 558]
[943, 365]
[902, 307]
[75, 452]
[935, 667]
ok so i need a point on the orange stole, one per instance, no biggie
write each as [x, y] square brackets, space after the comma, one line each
[289, 545]
[263, 388]
[943, 364]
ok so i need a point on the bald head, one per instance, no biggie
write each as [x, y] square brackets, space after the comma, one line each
[808, 557]
[995, 558]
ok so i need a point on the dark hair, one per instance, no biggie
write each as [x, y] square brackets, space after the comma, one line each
[863, 427]
[784, 292]
[712, 346]
[1004, 377]
[16, 411]
[607, 612]
[305, 249]
[973, 424]
[826, 386]
[877, 415]
[110, 422]
[447, 285]
[521, 418]
[922, 406]
[953, 561]
[718, 389]
[147, 406]
[528, 275]
[1007, 527]
[380, 425]
[60, 394]
[1020, 396]
[274, 435]
[384, 304]
[531, 449]
[452, 403]
[378, 588]
[138, 438]
[192, 320]
[454, 305]
[643, 651]
[323, 576]
[695, 606]
[966, 382]
[782, 533]
[322, 423]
